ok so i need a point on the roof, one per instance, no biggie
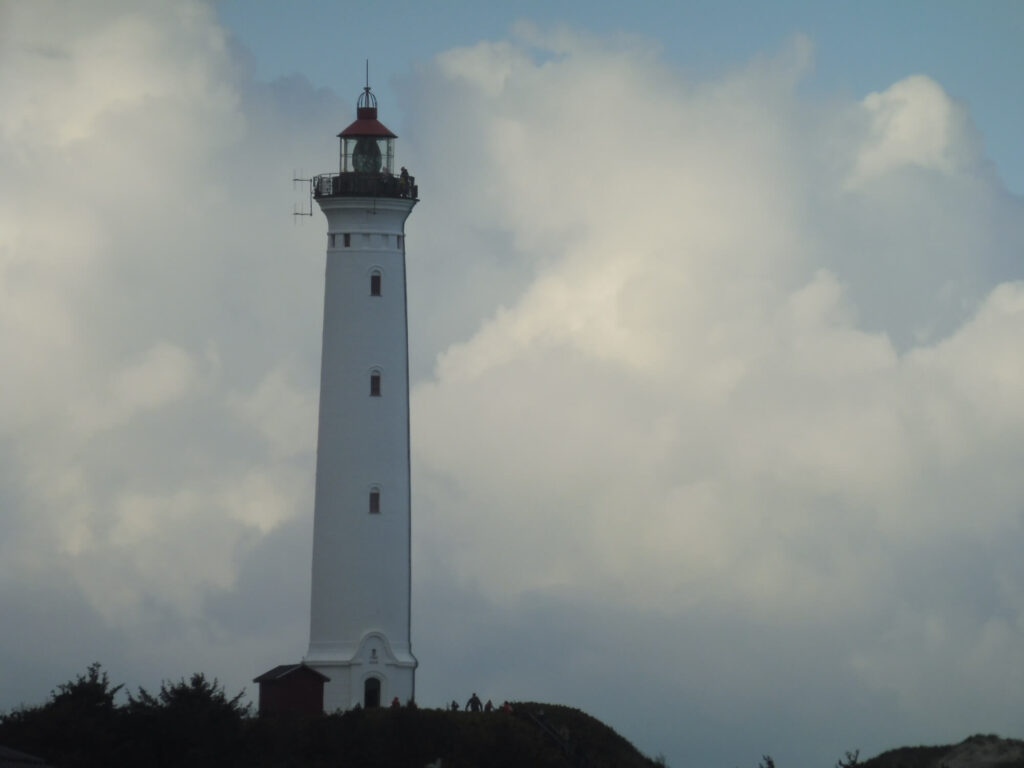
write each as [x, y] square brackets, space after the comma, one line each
[367, 124]
[282, 671]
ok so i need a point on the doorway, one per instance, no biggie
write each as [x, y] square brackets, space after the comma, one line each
[371, 693]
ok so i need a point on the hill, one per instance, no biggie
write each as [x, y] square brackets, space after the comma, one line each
[981, 751]
[534, 734]
[193, 723]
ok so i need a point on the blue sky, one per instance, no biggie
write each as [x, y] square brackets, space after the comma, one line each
[975, 50]
[718, 439]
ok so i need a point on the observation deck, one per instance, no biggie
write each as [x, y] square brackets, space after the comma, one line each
[357, 184]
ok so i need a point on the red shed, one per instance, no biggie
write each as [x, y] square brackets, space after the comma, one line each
[291, 689]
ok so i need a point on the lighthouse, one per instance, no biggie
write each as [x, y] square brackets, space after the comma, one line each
[359, 634]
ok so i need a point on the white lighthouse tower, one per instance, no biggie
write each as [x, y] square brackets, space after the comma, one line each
[359, 617]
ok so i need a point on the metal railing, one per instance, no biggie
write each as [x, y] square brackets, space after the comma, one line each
[364, 185]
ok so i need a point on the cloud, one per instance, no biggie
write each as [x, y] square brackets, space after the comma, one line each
[157, 420]
[715, 383]
[914, 122]
[762, 365]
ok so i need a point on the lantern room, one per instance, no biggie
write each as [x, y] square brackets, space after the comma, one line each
[367, 146]
[367, 160]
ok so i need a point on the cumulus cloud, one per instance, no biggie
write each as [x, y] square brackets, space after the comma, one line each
[763, 364]
[715, 393]
[914, 122]
[157, 422]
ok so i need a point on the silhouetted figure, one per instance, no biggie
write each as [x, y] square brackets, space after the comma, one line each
[488, 706]
[395, 703]
[474, 703]
[403, 183]
[455, 706]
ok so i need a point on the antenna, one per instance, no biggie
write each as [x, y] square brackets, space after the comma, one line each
[367, 73]
[308, 208]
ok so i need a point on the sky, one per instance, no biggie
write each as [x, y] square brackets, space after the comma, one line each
[715, 325]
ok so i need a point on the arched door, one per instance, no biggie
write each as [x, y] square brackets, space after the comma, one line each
[371, 692]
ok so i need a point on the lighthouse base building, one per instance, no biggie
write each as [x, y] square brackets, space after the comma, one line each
[359, 638]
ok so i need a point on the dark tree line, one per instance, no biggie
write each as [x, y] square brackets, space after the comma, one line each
[851, 760]
[189, 722]
[195, 723]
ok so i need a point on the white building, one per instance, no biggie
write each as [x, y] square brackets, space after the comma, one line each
[359, 616]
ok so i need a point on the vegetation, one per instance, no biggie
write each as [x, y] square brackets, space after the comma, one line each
[195, 723]
[851, 760]
[989, 751]
[981, 751]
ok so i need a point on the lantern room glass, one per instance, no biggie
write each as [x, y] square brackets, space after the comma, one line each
[368, 154]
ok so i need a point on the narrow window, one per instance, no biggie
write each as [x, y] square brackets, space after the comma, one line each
[374, 385]
[348, 239]
[330, 241]
[375, 284]
[375, 502]
[399, 241]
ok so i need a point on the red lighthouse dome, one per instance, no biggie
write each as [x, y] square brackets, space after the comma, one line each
[367, 146]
